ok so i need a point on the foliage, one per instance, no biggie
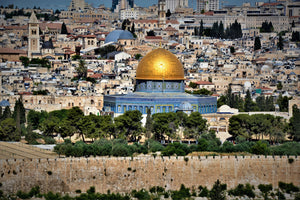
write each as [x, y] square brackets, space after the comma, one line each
[203, 191]
[257, 44]
[81, 69]
[138, 56]
[232, 50]
[19, 114]
[234, 31]
[242, 190]
[280, 43]
[64, 29]
[283, 103]
[141, 195]
[25, 60]
[265, 103]
[195, 125]
[150, 33]
[103, 51]
[8, 130]
[153, 146]
[218, 191]
[176, 148]
[168, 13]
[41, 62]
[295, 124]
[183, 193]
[76, 57]
[266, 27]
[295, 36]
[40, 92]
[265, 189]
[125, 24]
[288, 187]
[129, 125]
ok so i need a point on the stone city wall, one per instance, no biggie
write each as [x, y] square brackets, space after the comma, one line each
[119, 174]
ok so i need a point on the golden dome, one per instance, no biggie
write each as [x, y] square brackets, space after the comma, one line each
[160, 64]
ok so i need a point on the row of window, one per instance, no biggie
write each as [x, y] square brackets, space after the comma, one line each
[162, 109]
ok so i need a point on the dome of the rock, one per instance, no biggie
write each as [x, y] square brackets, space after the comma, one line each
[160, 64]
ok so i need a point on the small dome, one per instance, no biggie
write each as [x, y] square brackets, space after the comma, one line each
[4, 103]
[116, 35]
[265, 68]
[160, 64]
[126, 35]
[185, 106]
[247, 84]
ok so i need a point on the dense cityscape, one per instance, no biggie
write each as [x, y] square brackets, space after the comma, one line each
[125, 86]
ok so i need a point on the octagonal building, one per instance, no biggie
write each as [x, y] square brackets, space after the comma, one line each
[159, 87]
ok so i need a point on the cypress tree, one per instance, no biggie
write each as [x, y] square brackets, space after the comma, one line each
[280, 43]
[132, 28]
[6, 113]
[201, 28]
[257, 44]
[248, 102]
[64, 29]
[221, 30]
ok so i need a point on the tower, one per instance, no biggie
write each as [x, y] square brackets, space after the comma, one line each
[33, 35]
[161, 13]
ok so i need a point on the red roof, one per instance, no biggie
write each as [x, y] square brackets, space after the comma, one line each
[204, 83]
[97, 76]
[153, 37]
[11, 51]
[27, 79]
[263, 88]
[210, 13]
[271, 4]
[172, 22]
[153, 21]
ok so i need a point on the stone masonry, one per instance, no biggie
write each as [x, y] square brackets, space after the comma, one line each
[119, 174]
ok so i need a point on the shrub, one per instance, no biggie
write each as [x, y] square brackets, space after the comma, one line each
[141, 195]
[120, 150]
[260, 148]
[288, 187]
[183, 193]
[92, 190]
[176, 148]
[242, 190]
[217, 192]
[203, 191]
[49, 140]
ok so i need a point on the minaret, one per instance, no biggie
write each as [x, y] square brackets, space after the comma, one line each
[161, 13]
[33, 35]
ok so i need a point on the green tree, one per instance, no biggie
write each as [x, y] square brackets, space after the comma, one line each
[168, 13]
[132, 30]
[125, 23]
[232, 50]
[25, 60]
[193, 85]
[293, 24]
[50, 126]
[195, 125]
[249, 104]
[257, 44]
[221, 30]
[19, 114]
[295, 124]
[81, 70]
[65, 129]
[8, 130]
[64, 29]
[280, 43]
[162, 126]
[74, 115]
[201, 30]
[6, 113]
[265, 189]
[137, 56]
[218, 191]
[129, 125]
[283, 103]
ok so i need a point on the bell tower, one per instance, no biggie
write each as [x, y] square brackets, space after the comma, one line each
[161, 13]
[33, 35]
